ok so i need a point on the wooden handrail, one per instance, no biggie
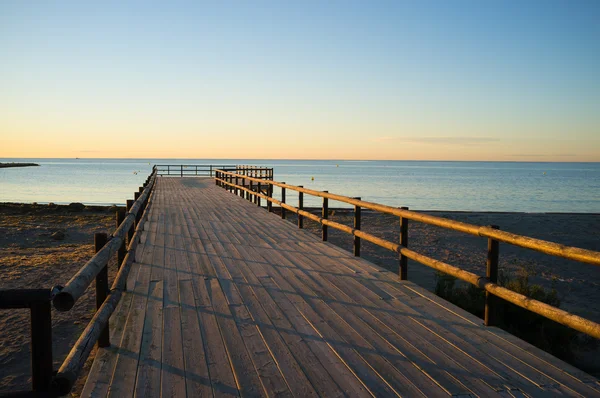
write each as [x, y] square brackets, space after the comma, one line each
[74, 289]
[543, 246]
[563, 317]
[71, 367]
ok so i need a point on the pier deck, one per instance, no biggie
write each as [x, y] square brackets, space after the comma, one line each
[225, 298]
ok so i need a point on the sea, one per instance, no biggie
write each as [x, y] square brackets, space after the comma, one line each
[533, 187]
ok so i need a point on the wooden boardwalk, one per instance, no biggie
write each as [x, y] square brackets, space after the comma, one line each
[227, 299]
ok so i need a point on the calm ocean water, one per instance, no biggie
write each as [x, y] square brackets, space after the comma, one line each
[469, 186]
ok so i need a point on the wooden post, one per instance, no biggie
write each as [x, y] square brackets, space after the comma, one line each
[102, 290]
[491, 301]
[324, 215]
[357, 211]
[237, 183]
[251, 187]
[211, 171]
[182, 170]
[131, 229]
[301, 207]
[120, 216]
[259, 190]
[282, 201]
[168, 170]
[41, 346]
[404, 243]
[270, 195]
[138, 216]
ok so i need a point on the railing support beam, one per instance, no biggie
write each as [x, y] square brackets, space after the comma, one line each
[301, 207]
[403, 271]
[491, 301]
[325, 216]
[357, 216]
[41, 346]
[102, 289]
[282, 201]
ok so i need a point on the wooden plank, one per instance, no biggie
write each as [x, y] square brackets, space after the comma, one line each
[222, 378]
[173, 372]
[150, 364]
[123, 379]
[266, 366]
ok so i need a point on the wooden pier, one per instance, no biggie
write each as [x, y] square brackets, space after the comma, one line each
[225, 298]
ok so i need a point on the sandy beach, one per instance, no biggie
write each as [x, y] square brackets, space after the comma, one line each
[31, 257]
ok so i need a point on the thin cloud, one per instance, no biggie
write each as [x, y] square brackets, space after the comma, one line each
[541, 155]
[458, 140]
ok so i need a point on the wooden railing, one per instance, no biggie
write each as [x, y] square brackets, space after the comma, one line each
[183, 170]
[241, 184]
[123, 243]
[186, 170]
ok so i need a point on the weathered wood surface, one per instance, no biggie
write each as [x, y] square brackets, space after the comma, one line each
[226, 298]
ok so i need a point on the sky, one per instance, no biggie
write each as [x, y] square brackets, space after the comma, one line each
[406, 80]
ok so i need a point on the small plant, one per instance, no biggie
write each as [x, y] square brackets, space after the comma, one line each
[544, 333]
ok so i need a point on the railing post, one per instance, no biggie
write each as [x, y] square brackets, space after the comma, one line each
[182, 170]
[404, 243]
[270, 195]
[41, 345]
[357, 214]
[237, 191]
[491, 301]
[138, 216]
[324, 215]
[250, 187]
[168, 170]
[131, 229]
[211, 170]
[282, 201]
[300, 207]
[259, 190]
[102, 290]
[120, 216]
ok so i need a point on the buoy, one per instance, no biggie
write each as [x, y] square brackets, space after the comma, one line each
[312, 178]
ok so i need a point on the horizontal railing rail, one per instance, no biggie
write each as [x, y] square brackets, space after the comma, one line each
[488, 283]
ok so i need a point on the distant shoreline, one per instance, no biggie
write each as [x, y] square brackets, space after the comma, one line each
[5, 165]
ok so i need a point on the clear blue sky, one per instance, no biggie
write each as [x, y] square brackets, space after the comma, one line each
[473, 80]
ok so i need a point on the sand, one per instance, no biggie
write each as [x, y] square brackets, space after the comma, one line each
[29, 257]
